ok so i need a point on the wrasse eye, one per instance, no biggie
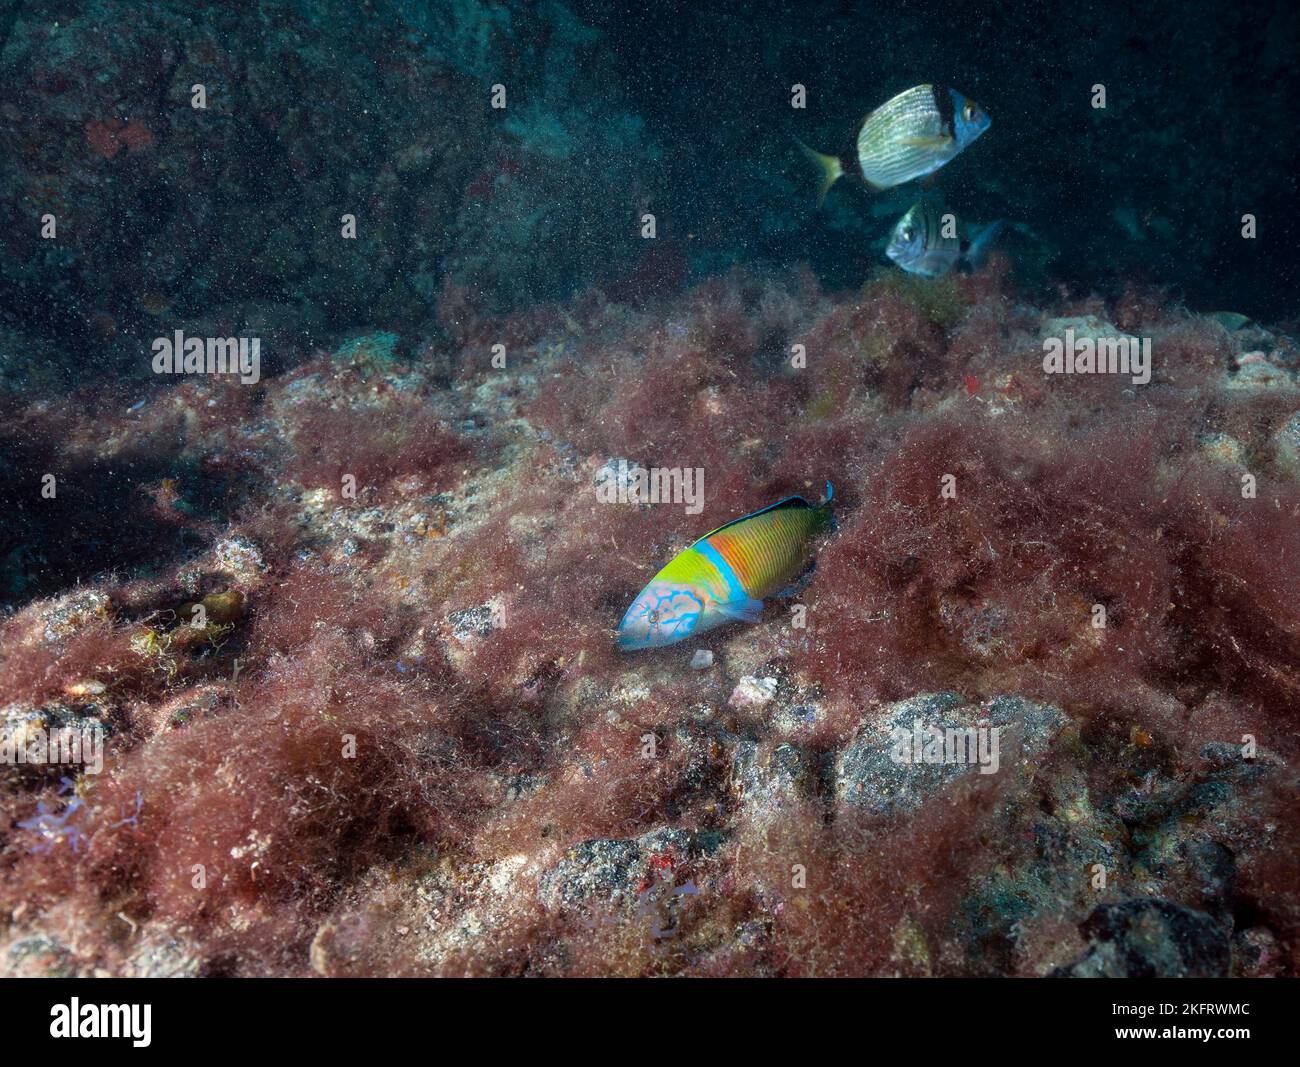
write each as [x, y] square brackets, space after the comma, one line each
[968, 112]
[653, 617]
[908, 233]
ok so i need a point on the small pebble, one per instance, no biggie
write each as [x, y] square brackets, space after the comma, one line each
[753, 692]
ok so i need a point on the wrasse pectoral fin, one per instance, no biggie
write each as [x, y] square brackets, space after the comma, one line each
[742, 610]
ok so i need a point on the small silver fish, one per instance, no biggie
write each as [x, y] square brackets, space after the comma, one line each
[930, 242]
[909, 136]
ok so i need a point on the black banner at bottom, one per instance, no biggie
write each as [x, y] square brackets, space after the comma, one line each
[140, 1016]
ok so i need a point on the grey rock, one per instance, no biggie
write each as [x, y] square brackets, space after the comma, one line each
[1150, 938]
[772, 775]
[871, 774]
[75, 612]
[702, 660]
[471, 622]
[161, 953]
[1286, 443]
[38, 956]
[610, 870]
[240, 557]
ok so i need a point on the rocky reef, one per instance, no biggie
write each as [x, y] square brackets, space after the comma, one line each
[198, 160]
[364, 715]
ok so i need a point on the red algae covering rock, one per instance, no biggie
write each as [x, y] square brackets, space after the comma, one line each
[351, 655]
[108, 138]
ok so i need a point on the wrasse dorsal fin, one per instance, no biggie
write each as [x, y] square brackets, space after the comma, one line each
[788, 502]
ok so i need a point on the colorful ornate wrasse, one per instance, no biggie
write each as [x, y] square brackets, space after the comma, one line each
[910, 136]
[929, 242]
[725, 575]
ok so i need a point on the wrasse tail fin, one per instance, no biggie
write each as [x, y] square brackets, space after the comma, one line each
[832, 523]
[830, 168]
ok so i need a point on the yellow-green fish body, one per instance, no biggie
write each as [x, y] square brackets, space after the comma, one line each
[726, 574]
[908, 137]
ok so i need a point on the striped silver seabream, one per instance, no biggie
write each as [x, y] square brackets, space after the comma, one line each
[908, 137]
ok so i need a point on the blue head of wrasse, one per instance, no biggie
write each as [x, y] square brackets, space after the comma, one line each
[969, 120]
[663, 614]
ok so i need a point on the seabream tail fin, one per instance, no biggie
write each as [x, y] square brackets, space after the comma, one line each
[830, 169]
